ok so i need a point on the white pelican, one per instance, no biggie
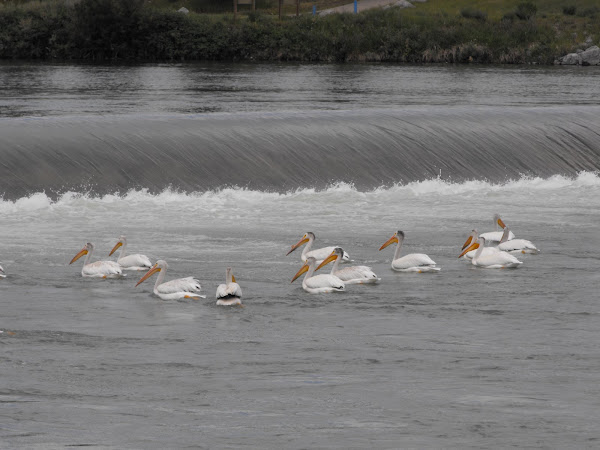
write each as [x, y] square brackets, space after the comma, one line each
[98, 269]
[230, 293]
[472, 238]
[497, 260]
[2, 275]
[130, 262]
[495, 236]
[174, 289]
[319, 254]
[349, 275]
[516, 245]
[318, 284]
[413, 262]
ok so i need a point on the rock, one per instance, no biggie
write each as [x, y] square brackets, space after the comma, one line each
[403, 4]
[588, 57]
[591, 57]
[183, 10]
[571, 59]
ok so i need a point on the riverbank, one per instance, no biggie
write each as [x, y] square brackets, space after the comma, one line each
[101, 30]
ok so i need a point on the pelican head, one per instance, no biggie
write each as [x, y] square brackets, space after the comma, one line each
[309, 262]
[472, 238]
[122, 241]
[397, 237]
[87, 248]
[337, 252]
[499, 221]
[229, 278]
[160, 265]
[479, 243]
[306, 238]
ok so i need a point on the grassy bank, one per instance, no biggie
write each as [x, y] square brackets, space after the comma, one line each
[452, 31]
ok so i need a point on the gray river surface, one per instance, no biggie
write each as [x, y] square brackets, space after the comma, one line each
[463, 358]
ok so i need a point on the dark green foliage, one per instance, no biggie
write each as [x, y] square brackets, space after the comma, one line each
[526, 10]
[592, 12]
[128, 30]
[569, 10]
[472, 13]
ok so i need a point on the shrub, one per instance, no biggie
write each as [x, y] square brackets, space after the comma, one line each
[526, 10]
[472, 13]
[569, 10]
[589, 12]
[509, 16]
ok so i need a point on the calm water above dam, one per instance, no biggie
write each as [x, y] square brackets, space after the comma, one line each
[215, 165]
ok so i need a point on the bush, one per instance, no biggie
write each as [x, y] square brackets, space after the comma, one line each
[509, 17]
[569, 10]
[526, 10]
[472, 13]
[589, 12]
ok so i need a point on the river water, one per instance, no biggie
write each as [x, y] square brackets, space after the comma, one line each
[216, 165]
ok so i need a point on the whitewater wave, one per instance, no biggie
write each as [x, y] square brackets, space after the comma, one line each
[584, 183]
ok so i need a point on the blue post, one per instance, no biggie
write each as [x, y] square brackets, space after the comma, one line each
[314, 10]
[355, 6]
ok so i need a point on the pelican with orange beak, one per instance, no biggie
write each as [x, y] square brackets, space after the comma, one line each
[473, 238]
[130, 262]
[413, 262]
[174, 289]
[496, 260]
[496, 236]
[229, 293]
[318, 284]
[319, 254]
[516, 245]
[98, 269]
[349, 275]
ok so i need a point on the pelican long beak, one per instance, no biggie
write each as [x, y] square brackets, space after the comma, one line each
[233, 279]
[303, 269]
[79, 255]
[148, 274]
[327, 260]
[115, 248]
[501, 223]
[391, 240]
[473, 246]
[302, 241]
[469, 240]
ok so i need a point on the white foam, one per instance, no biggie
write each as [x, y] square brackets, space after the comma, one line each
[339, 193]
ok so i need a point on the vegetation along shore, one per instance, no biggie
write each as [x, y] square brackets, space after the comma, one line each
[435, 31]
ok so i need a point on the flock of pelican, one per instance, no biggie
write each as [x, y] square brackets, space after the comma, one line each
[228, 294]
[497, 254]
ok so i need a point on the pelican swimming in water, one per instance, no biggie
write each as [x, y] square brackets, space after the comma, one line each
[472, 238]
[413, 262]
[516, 245]
[319, 254]
[496, 236]
[318, 284]
[349, 275]
[230, 293]
[2, 273]
[130, 262]
[98, 269]
[174, 289]
[497, 260]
